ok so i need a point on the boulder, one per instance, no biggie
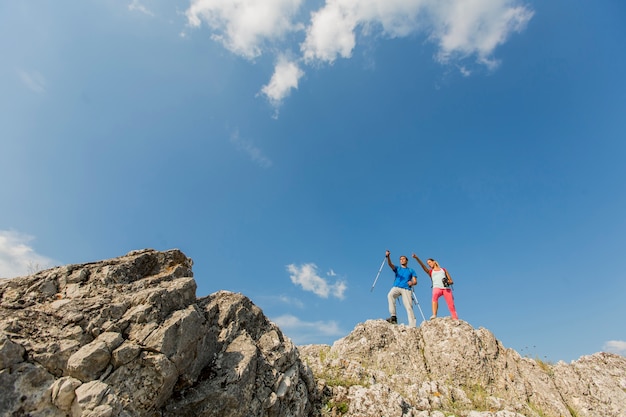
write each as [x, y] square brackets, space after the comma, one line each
[128, 337]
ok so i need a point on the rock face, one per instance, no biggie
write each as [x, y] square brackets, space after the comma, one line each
[127, 337]
[446, 367]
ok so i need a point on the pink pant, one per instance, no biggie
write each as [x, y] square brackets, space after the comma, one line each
[447, 294]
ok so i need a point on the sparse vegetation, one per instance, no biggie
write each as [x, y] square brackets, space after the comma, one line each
[572, 411]
[339, 407]
[340, 381]
[324, 354]
[537, 410]
[34, 267]
[545, 366]
[455, 406]
[477, 394]
[334, 375]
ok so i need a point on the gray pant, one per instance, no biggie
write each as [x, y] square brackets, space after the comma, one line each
[396, 292]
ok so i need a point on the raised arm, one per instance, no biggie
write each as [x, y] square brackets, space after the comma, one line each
[424, 267]
[391, 265]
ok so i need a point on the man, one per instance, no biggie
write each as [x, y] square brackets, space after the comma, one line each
[405, 279]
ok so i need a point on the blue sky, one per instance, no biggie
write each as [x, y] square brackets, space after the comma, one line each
[285, 145]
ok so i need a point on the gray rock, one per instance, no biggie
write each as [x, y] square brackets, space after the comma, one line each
[92, 396]
[447, 366]
[63, 392]
[10, 352]
[127, 337]
[92, 359]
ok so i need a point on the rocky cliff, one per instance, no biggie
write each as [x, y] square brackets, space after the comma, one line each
[128, 337]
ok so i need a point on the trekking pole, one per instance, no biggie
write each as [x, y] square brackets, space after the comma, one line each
[418, 303]
[377, 275]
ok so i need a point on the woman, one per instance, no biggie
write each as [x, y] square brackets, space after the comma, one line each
[441, 285]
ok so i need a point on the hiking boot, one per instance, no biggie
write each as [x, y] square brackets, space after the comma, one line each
[392, 320]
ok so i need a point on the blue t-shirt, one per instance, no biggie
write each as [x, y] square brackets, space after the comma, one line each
[403, 276]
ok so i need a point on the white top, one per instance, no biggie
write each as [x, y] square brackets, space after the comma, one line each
[438, 277]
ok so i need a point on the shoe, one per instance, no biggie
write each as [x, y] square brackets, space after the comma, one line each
[433, 317]
[392, 320]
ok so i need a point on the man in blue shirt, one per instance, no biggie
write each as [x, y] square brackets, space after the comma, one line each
[405, 279]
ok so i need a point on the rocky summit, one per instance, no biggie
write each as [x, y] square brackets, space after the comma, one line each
[447, 368]
[128, 337]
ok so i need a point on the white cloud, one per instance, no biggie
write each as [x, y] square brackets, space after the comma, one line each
[464, 71]
[333, 28]
[33, 80]
[286, 76]
[331, 33]
[249, 148]
[303, 332]
[615, 346]
[135, 5]
[17, 258]
[244, 26]
[476, 27]
[307, 277]
[460, 29]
